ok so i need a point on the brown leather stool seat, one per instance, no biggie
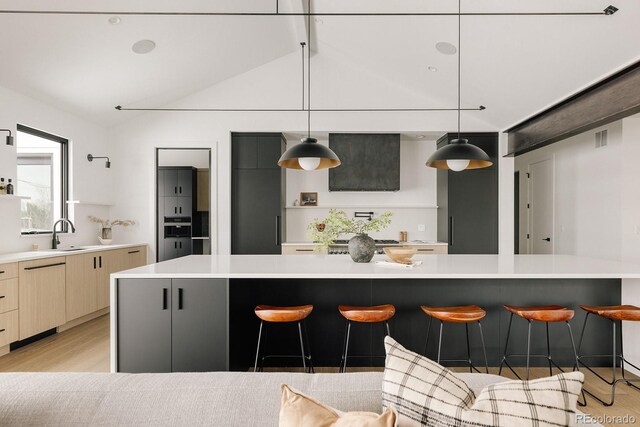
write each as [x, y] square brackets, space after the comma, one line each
[458, 314]
[368, 314]
[614, 312]
[276, 314]
[373, 314]
[461, 314]
[543, 313]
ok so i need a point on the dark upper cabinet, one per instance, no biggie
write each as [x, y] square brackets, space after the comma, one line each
[468, 201]
[258, 192]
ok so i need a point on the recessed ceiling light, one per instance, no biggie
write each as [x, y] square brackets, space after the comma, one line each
[143, 46]
[115, 20]
[432, 69]
[446, 48]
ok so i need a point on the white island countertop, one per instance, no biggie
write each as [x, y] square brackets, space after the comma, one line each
[341, 266]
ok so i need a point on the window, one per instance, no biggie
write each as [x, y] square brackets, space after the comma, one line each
[43, 177]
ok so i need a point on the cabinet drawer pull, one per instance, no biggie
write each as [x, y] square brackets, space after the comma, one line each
[426, 250]
[2, 330]
[100, 262]
[2, 272]
[134, 252]
[44, 266]
[165, 296]
[94, 263]
[305, 250]
[2, 296]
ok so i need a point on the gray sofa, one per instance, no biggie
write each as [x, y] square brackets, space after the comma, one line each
[180, 399]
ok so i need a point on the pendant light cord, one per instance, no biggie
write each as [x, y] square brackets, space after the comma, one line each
[459, 54]
[309, 69]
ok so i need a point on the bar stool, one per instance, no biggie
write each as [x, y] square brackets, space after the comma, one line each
[297, 314]
[613, 313]
[373, 314]
[546, 314]
[460, 314]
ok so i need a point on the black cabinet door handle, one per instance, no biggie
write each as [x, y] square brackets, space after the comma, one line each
[2, 330]
[175, 190]
[94, 263]
[165, 298]
[277, 230]
[180, 245]
[175, 209]
[100, 262]
[450, 231]
[2, 272]
[43, 266]
[180, 189]
[548, 239]
[175, 245]
[180, 209]
[180, 291]
[1, 296]
[134, 252]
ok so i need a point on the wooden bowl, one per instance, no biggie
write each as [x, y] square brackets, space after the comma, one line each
[400, 254]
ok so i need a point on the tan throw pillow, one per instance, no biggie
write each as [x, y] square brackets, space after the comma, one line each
[298, 410]
[424, 393]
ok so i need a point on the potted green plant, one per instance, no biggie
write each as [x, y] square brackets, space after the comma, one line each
[362, 247]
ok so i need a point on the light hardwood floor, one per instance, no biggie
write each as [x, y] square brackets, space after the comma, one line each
[85, 348]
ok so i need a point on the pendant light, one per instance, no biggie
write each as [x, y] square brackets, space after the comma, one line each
[308, 155]
[459, 155]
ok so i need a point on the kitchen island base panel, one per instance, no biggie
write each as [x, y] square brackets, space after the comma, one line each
[409, 326]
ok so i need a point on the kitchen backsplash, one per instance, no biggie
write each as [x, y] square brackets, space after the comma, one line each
[407, 219]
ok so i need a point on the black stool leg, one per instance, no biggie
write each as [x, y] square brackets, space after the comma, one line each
[549, 349]
[506, 345]
[386, 324]
[344, 345]
[466, 326]
[440, 340]
[255, 365]
[304, 357]
[528, 349]
[306, 343]
[575, 355]
[345, 354]
[426, 343]
[484, 349]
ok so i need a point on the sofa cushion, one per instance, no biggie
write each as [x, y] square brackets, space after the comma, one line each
[298, 410]
[425, 393]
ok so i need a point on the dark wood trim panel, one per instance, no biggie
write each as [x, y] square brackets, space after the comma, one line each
[611, 99]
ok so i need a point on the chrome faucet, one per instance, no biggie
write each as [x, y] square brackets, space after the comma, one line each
[55, 241]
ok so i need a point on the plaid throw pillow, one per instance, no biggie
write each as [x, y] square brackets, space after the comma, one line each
[423, 393]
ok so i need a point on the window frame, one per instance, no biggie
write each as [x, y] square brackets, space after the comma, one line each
[64, 175]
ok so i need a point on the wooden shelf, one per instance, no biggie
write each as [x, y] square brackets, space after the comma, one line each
[13, 197]
[364, 207]
[79, 202]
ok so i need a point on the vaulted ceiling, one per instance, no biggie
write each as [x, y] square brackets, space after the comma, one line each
[514, 65]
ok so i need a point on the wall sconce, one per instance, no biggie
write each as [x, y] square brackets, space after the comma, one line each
[107, 164]
[9, 137]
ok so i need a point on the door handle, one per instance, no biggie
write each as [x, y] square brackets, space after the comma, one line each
[450, 231]
[133, 252]
[180, 298]
[180, 245]
[1, 296]
[100, 263]
[277, 230]
[43, 266]
[175, 209]
[94, 263]
[175, 190]
[548, 239]
[2, 271]
[180, 209]
[165, 298]
[175, 245]
[180, 189]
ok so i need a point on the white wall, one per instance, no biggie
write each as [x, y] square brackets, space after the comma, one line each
[412, 205]
[263, 87]
[89, 182]
[589, 199]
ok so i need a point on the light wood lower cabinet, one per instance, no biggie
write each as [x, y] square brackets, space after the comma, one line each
[429, 249]
[9, 328]
[88, 277]
[299, 250]
[41, 295]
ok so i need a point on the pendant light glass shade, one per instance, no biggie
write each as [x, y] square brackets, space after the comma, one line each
[458, 152]
[309, 155]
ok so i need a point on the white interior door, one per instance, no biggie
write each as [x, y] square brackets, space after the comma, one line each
[541, 207]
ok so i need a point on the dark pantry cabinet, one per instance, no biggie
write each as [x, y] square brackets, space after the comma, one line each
[176, 190]
[258, 193]
[172, 325]
[468, 201]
